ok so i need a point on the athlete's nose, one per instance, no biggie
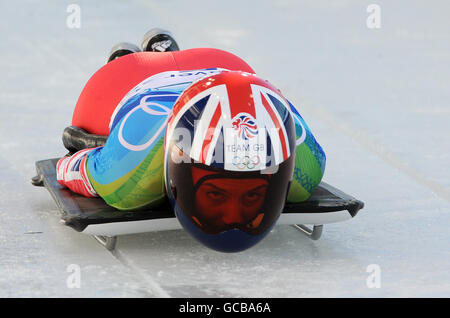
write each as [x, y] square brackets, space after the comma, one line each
[233, 213]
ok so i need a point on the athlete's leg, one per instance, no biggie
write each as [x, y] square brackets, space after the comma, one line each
[106, 88]
[128, 171]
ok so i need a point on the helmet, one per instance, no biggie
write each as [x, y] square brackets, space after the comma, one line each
[229, 159]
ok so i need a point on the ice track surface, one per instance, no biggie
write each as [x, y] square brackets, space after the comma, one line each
[376, 99]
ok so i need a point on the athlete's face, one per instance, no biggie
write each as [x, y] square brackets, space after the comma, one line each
[223, 203]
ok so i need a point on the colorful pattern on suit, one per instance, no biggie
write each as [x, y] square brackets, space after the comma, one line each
[128, 171]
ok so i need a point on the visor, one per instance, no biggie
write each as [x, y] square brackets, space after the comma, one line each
[217, 200]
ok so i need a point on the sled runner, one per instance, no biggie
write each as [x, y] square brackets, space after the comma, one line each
[94, 217]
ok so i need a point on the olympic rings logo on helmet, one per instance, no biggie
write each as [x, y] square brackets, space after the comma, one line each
[246, 162]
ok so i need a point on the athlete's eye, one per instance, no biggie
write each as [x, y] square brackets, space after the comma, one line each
[252, 197]
[216, 196]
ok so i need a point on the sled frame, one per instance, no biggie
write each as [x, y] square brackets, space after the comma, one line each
[82, 213]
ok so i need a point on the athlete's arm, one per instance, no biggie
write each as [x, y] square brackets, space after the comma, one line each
[310, 161]
[71, 173]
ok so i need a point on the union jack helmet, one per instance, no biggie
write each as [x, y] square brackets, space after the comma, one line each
[229, 159]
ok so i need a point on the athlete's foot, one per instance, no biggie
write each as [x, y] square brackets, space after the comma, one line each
[121, 49]
[158, 40]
